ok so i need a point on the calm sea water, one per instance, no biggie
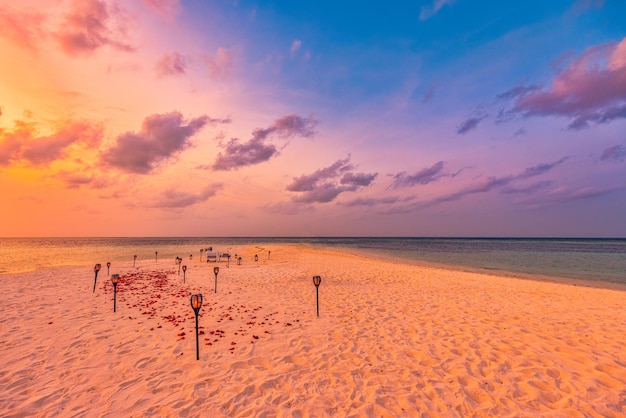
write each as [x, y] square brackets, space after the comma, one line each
[599, 260]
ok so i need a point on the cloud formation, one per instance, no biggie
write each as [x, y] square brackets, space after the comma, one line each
[423, 177]
[75, 180]
[161, 136]
[25, 29]
[614, 153]
[470, 124]
[171, 64]
[377, 201]
[258, 149]
[23, 145]
[308, 182]
[591, 90]
[295, 45]
[325, 184]
[540, 169]
[506, 184]
[165, 8]
[175, 199]
[429, 11]
[220, 65]
[90, 25]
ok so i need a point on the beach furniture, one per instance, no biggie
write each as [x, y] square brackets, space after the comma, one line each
[212, 255]
[225, 254]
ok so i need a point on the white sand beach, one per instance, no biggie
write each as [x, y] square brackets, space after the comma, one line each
[391, 340]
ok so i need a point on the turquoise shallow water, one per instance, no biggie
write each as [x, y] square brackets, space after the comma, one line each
[598, 260]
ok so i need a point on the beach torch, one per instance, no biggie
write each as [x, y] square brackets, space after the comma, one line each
[179, 261]
[134, 260]
[196, 304]
[316, 281]
[184, 273]
[156, 256]
[96, 269]
[268, 254]
[256, 257]
[114, 280]
[239, 261]
[191, 256]
[108, 267]
[216, 270]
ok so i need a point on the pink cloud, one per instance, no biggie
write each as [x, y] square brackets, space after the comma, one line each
[295, 46]
[171, 64]
[258, 149]
[325, 184]
[90, 25]
[161, 137]
[23, 145]
[592, 89]
[220, 65]
[165, 8]
[25, 29]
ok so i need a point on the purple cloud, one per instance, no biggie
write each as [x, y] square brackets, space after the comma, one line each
[470, 124]
[516, 92]
[591, 90]
[308, 182]
[90, 25]
[239, 155]
[429, 94]
[378, 201]
[520, 132]
[161, 136]
[564, 194]
[506, 184]
[540, 169]
[424, 96]
[325, 184]
[323, 193]
[424, 176]
[358, 179]
[257, 149]
[614, 153]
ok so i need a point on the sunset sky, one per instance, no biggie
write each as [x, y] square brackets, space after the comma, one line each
[321, 118]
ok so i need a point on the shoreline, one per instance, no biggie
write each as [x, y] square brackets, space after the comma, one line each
[388, 257]
[392, 340]
[600, 284]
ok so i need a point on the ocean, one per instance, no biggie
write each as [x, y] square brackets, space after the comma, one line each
[599, 261]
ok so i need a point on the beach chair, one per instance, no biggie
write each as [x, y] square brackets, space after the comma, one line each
[212, 256]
